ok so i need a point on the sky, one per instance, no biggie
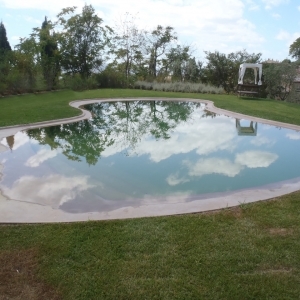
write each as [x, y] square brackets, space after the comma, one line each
[259, 26]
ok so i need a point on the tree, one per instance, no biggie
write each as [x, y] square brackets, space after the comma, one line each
[49, 54]
[295, 49]
[129, 43]
[25, 66]
[5, 51]
[158, 41]
[4, 44]
[217, 69]
[82, 41]
[192, 70]
[174, 63]
[279, 78]
[222, 70]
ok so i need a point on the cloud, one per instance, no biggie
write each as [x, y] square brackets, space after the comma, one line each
[53, 190]
[252, 5]
[19, 138]
[293, 135]
[255, 159]
[32, 20]
[284, 35]
[174, 179]
[269, 4]
[41, 156]
[276, 16]
[15, 38]
[214, 165]
[3, 148]
[262, 140]
[184, 139]
[54, 5]
[187, 138]
[213, 21]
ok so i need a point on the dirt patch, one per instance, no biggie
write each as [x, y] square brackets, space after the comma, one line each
[268, 272]
[281, 231]
[18, 277]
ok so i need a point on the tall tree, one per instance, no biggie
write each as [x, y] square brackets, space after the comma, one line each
[49, 54]
[129, 43]
[4, 44]
[158, 42]
[5, 57]
[175, 61]
[82, 40]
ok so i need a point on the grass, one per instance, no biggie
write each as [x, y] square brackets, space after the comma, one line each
[248, 252]
[54, 105]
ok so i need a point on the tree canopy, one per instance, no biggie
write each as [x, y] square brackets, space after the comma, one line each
[4, 44]
[82, 40]
[295, 49]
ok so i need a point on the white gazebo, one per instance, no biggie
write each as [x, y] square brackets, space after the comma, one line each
[249, 89]
[255, 67]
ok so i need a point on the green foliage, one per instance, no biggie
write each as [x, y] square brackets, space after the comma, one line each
[179, 63]
[25, 69]
[4, 44]
[50, 56]
[82, 41]
[123, 121]
[279, 78]
[78, 83]
[222, 70]
[112, 78]
[20, 71]
[295, 49]
[158, 42]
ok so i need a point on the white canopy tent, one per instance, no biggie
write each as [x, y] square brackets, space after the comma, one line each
[255, 67]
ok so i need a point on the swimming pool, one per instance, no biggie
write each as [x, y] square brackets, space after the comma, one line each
[153, 156]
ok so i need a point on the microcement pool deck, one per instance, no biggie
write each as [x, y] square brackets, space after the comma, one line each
[16, 211]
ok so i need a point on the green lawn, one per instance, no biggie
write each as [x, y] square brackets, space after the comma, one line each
[249, 252]
[34, 108]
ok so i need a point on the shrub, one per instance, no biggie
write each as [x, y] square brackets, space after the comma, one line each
[184, 87]
[110, 78]
[279, 78]
[78, 83]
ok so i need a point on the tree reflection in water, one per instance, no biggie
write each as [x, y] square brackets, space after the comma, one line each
[121, 124]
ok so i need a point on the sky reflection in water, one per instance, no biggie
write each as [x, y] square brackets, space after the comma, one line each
[134, 153]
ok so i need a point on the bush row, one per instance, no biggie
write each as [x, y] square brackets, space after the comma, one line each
[184, 87]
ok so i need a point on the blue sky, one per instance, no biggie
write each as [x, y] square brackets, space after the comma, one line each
[266, 26]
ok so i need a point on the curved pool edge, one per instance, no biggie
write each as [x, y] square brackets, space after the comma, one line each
[12, 211]
[10, 130]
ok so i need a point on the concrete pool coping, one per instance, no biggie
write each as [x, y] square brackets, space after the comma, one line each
[15, 211]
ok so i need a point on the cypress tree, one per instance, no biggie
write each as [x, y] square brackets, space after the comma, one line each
[4, 44]
[49, 57]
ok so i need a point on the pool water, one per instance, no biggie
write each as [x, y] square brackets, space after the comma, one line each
[143, 152]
